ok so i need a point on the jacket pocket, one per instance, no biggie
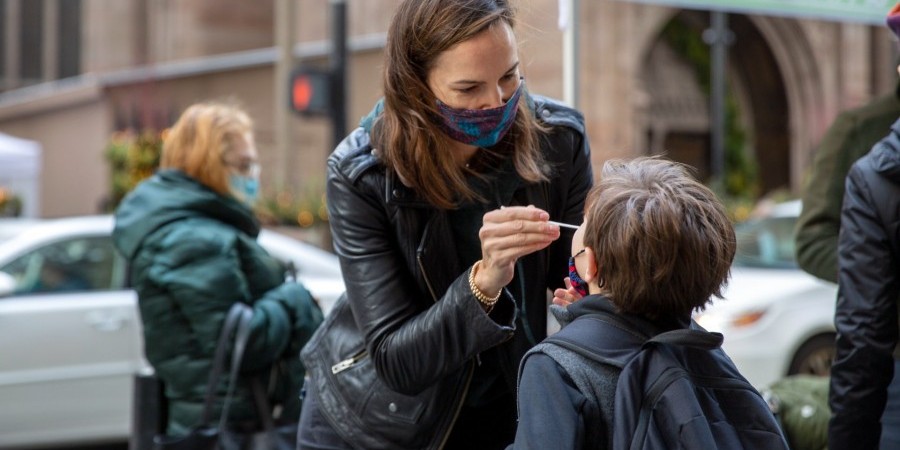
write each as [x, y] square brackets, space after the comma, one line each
[359, 406]
[378, 404]
[386, 406]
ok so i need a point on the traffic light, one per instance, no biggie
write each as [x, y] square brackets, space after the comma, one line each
[311, 91]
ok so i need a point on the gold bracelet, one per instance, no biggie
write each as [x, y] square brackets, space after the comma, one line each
[488, 302]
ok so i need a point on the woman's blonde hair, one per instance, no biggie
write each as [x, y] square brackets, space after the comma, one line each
[406, 134]
[200, 139]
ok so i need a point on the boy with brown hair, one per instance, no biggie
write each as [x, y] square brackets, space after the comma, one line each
[655, 246]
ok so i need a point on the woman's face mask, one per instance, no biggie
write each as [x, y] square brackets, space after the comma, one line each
[246, 187]
[480, 127]
[243, 180]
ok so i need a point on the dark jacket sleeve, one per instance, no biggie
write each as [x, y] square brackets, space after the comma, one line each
[385, 300]
[820, 220]
[865, 319]
[551, 408]
[303, 312]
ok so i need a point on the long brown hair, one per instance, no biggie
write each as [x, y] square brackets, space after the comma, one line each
[406, 135]
[662, 240]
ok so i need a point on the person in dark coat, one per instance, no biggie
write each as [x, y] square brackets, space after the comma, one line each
[189, 235]
[439, 207]
[864, 398]
[869, 286]
[655, 245]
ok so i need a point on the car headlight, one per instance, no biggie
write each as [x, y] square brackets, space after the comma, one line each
[747, 318]
[720, 322]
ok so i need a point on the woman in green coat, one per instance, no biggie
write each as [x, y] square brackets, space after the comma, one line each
[189, 235]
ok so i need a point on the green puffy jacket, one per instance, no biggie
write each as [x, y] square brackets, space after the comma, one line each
[193, 253]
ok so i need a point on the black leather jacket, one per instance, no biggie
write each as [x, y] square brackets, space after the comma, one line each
[869, 286]
[409, 311]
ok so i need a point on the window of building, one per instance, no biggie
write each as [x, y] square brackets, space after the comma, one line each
[2, 41]
[40, 40]
[31, 36]
[69, 38]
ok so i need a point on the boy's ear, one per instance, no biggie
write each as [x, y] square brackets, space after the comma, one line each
[590, 275]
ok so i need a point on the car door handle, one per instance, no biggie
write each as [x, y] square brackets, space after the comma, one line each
[104, 321]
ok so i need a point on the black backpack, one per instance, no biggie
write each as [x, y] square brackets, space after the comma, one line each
[677, 389]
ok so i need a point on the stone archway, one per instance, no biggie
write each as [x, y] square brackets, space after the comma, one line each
[809, 106]
[761, 84]
[676, 113]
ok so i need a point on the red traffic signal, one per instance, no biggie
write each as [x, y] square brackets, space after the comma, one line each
[310, 91]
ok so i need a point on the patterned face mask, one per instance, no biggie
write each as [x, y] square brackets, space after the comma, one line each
[480, 127]
[578, 283]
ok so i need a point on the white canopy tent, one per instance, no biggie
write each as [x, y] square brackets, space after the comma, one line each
[20, 171]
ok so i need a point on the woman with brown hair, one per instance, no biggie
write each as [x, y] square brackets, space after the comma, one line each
[440, 207]
[189, 235]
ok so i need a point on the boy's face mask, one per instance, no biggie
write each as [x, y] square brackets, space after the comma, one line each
[578, 283]
[479, 127]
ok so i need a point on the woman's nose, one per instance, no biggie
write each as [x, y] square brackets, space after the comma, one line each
[495, 98]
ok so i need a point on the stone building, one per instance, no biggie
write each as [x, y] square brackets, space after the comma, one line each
[73, 72]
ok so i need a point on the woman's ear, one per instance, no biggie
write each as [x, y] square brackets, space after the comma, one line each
[591, 275]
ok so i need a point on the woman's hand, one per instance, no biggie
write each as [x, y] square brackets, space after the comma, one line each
[506, 235]
[567, 296]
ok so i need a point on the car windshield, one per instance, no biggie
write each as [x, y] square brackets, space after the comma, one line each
[766, 243]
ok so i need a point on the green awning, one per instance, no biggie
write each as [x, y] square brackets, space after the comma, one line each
[866, 11]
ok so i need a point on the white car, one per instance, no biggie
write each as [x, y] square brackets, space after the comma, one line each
[68, 350]
[777, 320]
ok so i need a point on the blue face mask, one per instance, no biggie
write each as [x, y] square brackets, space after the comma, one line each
[479, 127]
[246, 188]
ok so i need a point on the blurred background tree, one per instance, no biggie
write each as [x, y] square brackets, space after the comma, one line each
[132, 158]
[10, 203]
[306, 208]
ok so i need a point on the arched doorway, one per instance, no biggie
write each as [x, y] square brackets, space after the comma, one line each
[676, 80]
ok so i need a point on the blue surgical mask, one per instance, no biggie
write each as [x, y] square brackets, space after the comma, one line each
[479, 127]
[245, 187]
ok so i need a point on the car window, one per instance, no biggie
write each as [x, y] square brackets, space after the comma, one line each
[767, 243]
[72, 265]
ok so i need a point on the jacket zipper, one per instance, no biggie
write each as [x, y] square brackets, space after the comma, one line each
[425, 277]
[471, 371]
[465, 390]
[419, 262]
[347, 363]
[462, 399]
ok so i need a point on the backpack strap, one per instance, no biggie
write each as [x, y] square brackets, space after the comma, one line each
[613, 339]
[688, 338]
[601, 337]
